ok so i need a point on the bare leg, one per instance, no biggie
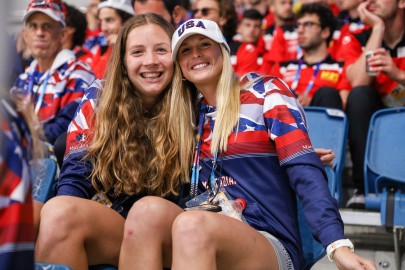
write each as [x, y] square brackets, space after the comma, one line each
[147, 236]
[78, 232]
[206, 240]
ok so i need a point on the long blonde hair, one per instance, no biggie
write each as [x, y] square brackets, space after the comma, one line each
[133, 151]
[227, 103]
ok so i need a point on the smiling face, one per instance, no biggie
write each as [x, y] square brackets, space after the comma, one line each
[148, 61]
[201, 61]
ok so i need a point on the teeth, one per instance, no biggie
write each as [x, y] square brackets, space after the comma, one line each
[200, 66]
[151, 75]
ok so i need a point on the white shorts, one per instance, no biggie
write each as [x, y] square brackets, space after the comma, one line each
[283, 258]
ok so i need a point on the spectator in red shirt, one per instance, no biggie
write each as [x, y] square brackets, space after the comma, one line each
[316, 78]
[281, 39]
[348, 22]
[246, 54]
[283, 17]
[386, 41]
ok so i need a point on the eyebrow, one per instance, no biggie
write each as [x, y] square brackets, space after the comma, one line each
[142, 45]
[201, 38]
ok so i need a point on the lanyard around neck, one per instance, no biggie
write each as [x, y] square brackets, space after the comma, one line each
[196, 160]
[41, 91]
[298, 75]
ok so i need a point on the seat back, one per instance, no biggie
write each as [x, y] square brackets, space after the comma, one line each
[327, 128]
[43, 174]
[384, 161]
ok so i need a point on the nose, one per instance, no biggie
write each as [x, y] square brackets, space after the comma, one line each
[196, 52]
[149, 59]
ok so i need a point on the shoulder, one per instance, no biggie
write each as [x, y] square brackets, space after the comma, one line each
[265, 84]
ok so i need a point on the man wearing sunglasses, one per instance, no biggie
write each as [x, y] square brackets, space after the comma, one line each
[315, 78]
[220, 11]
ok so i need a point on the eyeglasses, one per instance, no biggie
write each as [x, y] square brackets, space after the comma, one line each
[204, 11]
[307, 25]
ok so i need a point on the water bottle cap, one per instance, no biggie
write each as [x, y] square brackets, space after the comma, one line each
[242, 202]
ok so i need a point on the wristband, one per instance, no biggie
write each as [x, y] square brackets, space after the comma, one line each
[330, 249]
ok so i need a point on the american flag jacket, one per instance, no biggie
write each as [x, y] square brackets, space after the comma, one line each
[56, 93]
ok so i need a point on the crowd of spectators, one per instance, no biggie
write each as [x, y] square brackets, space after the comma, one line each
[317, 47]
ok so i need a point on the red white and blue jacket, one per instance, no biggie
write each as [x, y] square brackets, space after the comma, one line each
[57, 92]
[16, 214]
[269, 162]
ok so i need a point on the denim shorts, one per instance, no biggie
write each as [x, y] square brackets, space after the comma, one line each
[283, 258]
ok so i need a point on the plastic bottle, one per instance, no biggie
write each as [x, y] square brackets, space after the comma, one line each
[234, 208]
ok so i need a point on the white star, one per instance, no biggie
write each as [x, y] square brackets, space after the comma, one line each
[18, 151]
[249, 128]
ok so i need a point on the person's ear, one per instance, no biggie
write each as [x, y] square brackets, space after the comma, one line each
[325, 33]
[24, 35]
[177, 14]
[67, 33]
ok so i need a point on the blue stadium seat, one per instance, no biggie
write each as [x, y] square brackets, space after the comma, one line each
[385, 156]
[327, 128]
[384, 171]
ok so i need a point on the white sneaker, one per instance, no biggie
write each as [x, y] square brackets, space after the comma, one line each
[357, 201]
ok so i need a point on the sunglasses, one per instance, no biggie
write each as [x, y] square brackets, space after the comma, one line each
[52, 4]
[204, 11]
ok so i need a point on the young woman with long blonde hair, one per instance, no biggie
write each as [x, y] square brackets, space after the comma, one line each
[252, 147]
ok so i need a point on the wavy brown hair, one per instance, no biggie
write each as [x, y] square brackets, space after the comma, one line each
[133, 150]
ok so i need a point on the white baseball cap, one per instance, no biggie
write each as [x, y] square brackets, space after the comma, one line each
[123, 5]
[197, 26]
[53, 8]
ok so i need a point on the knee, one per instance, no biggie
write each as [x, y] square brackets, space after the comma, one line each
[192, 229]
[360, 95]
[59, 219]
[327, 96]
[146, 215]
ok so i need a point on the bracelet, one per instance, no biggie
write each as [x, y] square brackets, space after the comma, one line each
[330, 249]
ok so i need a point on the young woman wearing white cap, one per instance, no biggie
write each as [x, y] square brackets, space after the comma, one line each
[125, 142]
[252, 146]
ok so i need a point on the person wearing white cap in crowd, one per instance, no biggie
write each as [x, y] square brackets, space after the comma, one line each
[112, 15]
[252, 145]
